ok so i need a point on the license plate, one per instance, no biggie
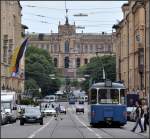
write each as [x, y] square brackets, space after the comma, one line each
[109, 119]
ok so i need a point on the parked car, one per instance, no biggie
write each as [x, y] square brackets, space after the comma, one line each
[49, 111]
[131, 115]
[79, 108]
[62, 109]
[81, 101]
[31, 115]
[72, 101]
[3, 118]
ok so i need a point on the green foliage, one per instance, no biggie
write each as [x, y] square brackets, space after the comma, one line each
[27, 101]
[95, 70]
[75, 83]
[38, 67]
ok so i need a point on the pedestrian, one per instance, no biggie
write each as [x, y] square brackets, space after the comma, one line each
[146, 118]
[52, 105]
[139, 114]
[57, 112]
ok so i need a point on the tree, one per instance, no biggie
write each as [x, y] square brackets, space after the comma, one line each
[95, 70]
[38, 67]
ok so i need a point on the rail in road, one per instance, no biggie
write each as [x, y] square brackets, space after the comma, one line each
[72, 125]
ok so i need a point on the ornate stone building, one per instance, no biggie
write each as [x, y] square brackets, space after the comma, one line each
[131, 41]
[71, 50]
[11, 37]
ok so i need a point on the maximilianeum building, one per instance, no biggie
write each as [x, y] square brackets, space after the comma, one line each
[70, 50]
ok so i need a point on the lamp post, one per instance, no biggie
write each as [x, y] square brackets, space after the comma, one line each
[104, 77]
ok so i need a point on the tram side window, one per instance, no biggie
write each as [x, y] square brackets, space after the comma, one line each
[93, 96]
[122, 96]
[114, 94]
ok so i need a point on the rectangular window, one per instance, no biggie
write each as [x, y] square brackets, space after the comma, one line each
[108, 96]
[5, 47]
[10, 50]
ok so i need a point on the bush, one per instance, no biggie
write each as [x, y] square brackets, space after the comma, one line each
[28, 101]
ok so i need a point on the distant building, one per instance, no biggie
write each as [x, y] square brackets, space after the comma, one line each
[71, 50]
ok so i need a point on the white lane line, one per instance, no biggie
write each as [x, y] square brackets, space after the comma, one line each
[88, 127]
[40, 129]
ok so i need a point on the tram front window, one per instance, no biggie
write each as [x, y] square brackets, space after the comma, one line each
[108, 96]
[93, 96]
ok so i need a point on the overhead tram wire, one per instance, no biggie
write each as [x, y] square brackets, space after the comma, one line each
[33, 6]
[43, 16]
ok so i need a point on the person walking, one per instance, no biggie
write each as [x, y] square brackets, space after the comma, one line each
[146, 117]
[57, 112]
[139, 114]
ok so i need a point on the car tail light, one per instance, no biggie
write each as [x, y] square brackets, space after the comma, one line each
[93, 113]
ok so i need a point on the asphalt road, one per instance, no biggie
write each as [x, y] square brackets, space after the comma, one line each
[72, 125]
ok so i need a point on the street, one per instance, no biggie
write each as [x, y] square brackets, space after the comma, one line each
[72, 125]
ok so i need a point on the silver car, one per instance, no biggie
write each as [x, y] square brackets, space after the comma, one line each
[3, 118]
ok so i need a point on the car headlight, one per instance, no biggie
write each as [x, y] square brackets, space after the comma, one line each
[39, 116]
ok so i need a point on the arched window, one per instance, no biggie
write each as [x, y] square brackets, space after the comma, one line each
[91, 48]
[85, 61]
[78, 48]
[78, 62]
[86, 48]
[66, 46]
[55, 48]
[66, 62]
[55, 62]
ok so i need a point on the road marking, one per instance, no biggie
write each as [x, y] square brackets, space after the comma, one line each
[35, 132]
[88, 127]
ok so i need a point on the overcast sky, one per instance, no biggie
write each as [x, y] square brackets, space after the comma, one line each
[44, 16]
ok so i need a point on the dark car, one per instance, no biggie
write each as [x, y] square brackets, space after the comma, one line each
[31, 115]
[62, 109]
[81, 101]
[72, 101]
[79, 108]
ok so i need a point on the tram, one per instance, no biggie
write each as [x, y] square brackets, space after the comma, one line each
[107, 103]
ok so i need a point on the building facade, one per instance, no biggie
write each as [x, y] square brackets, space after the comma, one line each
[70, 50]
[131, 41]
[11, 37]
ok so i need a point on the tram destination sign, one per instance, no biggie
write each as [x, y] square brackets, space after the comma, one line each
[108, 83]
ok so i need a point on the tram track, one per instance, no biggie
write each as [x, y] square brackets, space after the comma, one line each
[97, 128]
[75, 124]
[53, 130]
[104, 130]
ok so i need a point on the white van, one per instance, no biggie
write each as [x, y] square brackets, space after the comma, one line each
[8, 103]
[50, 98]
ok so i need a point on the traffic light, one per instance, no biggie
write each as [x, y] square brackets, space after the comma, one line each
[66, 62]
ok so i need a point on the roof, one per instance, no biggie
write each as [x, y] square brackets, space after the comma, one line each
[102, 85]
[6, 98]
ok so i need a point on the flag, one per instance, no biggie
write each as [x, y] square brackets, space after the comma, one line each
[103, 74]
[18, 57]
[20, 54]
[13, 60]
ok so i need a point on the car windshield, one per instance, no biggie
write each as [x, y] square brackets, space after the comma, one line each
[32, 111]
[5, 105]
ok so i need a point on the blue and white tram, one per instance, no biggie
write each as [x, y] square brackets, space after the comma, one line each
[107, 103]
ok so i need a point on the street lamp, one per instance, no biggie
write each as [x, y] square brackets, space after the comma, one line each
[104, 77]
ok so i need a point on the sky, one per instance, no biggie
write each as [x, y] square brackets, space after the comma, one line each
[44, 16]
